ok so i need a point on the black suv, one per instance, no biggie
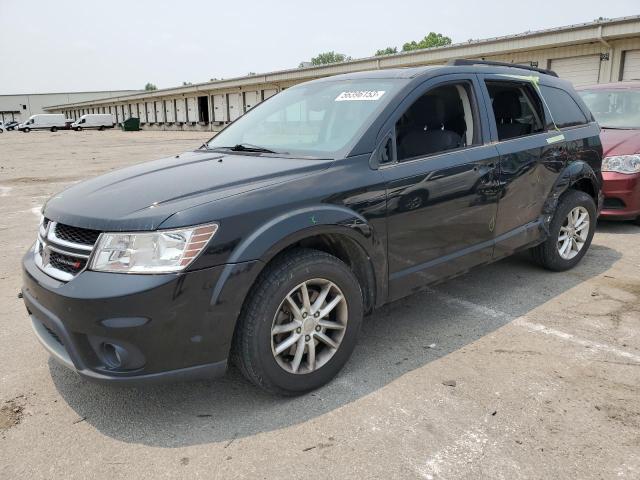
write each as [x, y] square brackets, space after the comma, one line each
[269, 243]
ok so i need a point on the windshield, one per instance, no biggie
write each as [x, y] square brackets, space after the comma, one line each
[614, 108]
[316, 120]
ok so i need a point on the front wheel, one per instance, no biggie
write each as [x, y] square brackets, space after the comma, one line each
[26, 130]
[300, 324]
[78, 129]
[570, 233]
[54, 129]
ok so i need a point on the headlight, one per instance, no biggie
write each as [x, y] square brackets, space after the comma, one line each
[162, 251]
[621, 164]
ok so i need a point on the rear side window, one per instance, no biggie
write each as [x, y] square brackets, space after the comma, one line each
[517, 109]
[564, 109]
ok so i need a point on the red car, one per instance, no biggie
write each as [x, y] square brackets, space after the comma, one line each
[616, 107]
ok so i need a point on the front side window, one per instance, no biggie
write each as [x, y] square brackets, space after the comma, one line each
[317, 119]
[564, 109]
[440, 120]
[614, 108]
[516, 108]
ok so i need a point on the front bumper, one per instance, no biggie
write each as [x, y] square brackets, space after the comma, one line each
[167, 327]
[622, 195]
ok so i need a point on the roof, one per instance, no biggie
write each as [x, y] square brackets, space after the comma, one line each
[409, 73]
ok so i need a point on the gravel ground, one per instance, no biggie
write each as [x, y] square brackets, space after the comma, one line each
[508, 372]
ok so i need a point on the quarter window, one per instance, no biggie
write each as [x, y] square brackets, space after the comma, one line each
[516, 108]
[440, 120]
[564, 109]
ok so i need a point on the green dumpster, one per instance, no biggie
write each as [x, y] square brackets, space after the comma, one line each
[131, 124]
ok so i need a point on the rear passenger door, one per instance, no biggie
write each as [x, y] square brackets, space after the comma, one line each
[532, 155]
[440, 179]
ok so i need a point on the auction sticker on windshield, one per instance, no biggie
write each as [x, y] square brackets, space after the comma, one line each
[360, 95]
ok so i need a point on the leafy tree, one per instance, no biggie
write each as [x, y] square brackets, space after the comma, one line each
[431, 40]
[328, 57]
[150, 86]
[184, 84]
[387, 51]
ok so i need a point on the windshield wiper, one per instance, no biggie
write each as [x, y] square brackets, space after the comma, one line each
[248, 147]
[206, 146]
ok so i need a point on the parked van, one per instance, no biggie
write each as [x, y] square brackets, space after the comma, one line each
[94, 120]
[42, 121]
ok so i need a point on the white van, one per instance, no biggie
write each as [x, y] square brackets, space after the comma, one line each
[43, 121]
[94, 120]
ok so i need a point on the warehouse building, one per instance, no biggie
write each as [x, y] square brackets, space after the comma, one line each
[21, 107]
[596, 52]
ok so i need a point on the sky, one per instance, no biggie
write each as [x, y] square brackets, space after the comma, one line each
[69, 45]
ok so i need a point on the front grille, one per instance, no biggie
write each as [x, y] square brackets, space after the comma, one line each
[71, 234]
[66, 263]
[53, 334]
[62, 251]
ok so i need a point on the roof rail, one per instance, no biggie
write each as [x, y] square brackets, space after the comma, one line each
[464, 61]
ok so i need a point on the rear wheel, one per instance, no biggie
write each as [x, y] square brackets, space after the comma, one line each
[570, 233]
[78, 129]
[54, 129]
[300, 324]
[101, 128]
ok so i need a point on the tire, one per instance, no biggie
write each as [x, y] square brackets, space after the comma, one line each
[548, 254]
[26, 130]
[637, 221]
[255, 344]
[101, 128]
[54, 129]
[78, 129]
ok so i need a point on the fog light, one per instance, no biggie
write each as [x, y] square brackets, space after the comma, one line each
[114, 355]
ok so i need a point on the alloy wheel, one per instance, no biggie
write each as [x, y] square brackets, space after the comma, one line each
[309, 326]
[573, 233]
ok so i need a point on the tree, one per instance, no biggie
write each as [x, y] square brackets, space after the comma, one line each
[387, 51]
[431, 40]
[150, 86]
[326, 58]
[185, 84]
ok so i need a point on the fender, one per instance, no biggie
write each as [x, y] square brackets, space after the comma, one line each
[574, 172]
[271, 237]
[278, 233]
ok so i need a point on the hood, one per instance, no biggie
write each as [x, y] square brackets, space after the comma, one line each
[143, 196]
[620, 142]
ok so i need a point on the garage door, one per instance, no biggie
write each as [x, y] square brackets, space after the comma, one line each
[631, 68]
[268, 92]
[219, 108]
[584, 70]
[181, 110]
[234, 100]
[250, 100]
[151, 114]
[192, 110]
